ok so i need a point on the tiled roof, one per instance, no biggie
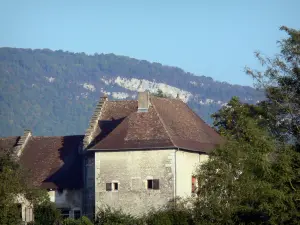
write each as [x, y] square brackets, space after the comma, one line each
[51, 162]
[169, 123]
[7, 144]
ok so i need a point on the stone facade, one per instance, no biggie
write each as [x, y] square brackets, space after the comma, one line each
[122, 178]
[131, 170]
[186, 166]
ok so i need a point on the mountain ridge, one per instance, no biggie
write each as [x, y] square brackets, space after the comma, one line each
[71, 84]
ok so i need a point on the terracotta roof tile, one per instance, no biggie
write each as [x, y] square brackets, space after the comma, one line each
[52, 162]
[168, 123]
[7, 144]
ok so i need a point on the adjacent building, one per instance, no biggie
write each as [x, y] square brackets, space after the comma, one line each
[135, 155]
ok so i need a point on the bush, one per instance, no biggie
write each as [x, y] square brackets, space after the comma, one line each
[110, 216]
[84, 221]
[46, 214]
[170, 216]
[70, 221]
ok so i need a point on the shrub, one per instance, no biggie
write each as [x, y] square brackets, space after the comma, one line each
[46, 214]
[70, 221]
[84, 221]
[110, 216]
[170, 216]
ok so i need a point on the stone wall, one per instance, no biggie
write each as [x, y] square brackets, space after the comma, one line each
[132, 170]
[186, 166]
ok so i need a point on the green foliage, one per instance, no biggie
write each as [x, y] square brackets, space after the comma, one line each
[281, 82]
[245, 180]
[13, 184]
[172, 214]
[29, 101]
[84, 221]
[81, 221]
[254, 177]
[160, 94]
[70, 221]
[110, 216]
[46, 214]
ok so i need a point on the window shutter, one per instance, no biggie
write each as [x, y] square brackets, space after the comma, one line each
[108, 187]
[156, 184]
[193, 184]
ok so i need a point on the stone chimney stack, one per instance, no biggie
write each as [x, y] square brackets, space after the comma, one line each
[143, 101]
[93, 122]
[22, 143]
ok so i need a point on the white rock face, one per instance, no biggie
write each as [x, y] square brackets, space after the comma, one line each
[134, 85]
[50, 79]
[120, 95]
[84, 95]
[193, 83]
[107, 81]
[89, 87]
[142, 85]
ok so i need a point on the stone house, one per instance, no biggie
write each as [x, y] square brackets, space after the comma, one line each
[135, 155]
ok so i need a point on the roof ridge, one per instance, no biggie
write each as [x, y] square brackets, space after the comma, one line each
[123, 100]
[164, 125]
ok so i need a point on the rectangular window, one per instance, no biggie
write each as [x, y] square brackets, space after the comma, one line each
[114, 186]
[194, 184]
[77, 214]
[108, 186]
[153, 184]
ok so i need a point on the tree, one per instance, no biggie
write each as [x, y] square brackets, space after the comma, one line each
[46, 214]
[281, 82]
[13, 183]
[241, 182]
[160, 94]
[254, 177]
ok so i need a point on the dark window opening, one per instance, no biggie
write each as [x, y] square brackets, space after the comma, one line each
[116, 186]
[77, 214]
[20, 210]
[108, 186]
[153, 184]
[112, 186]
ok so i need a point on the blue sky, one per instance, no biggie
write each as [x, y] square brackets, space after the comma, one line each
[211, 38]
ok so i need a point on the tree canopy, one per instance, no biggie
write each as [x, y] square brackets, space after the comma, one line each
[254, 178]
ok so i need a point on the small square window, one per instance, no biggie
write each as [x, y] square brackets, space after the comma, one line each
[153, 184]
[112, 186]
[149, 184]
[116, 186]
[108, 186]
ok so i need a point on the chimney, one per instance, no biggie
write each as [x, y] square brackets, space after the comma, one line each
[143, 101]
[22, 143]
[94, 122]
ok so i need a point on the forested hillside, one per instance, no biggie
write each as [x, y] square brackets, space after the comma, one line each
[55, 92]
